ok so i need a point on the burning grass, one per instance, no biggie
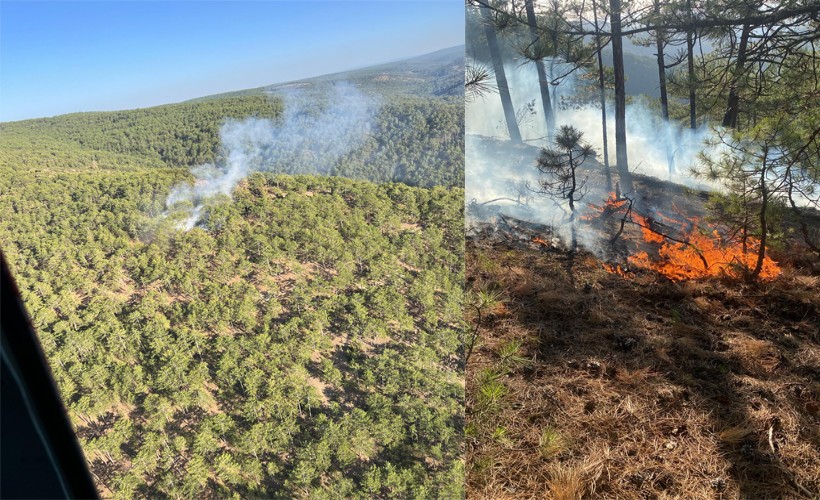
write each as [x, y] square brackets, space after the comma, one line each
[702, 254]
[682, 248]
[587, 384]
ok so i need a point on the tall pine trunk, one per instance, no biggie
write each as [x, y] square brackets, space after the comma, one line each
[659, 45]
[733, 105]
[764, 230]
[602, 89]
[690, 61]
[620, 98]
[542, 73]
[571, 196]
[500, 76]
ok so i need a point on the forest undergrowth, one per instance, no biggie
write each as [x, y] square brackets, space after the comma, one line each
[586, 383]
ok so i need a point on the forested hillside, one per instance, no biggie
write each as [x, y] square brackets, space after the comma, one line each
[301, 341]
[177, 135]
[414, 140]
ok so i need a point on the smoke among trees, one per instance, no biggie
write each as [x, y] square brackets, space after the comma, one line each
[316, 128]
[741, 67]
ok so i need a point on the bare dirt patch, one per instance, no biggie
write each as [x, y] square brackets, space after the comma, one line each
[320, 388]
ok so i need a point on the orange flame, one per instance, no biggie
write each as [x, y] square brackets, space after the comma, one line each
[705, 253]
[611, 205]
[616, 269]
[703, 256]
[648, 234]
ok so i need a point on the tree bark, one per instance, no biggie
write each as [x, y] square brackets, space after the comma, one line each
[620, 98]
[500, 76]
[602, 89]
[542, 73]
[571, 196]
[733, 105]
[659, 43]
[690, 44]
[690, 60]
[764, 230]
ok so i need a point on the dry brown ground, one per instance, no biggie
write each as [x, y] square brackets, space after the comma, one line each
[586, 384]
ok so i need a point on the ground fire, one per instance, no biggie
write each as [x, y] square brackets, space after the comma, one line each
[682, 248]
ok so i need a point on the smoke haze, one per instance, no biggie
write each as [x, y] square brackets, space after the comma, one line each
[647, 135]
[318, 126]
[496, 169]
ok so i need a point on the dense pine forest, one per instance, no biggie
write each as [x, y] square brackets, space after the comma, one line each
[417, 140]
[301, 340]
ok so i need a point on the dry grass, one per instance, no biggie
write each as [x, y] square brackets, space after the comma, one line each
[613, 387]
[565, 483]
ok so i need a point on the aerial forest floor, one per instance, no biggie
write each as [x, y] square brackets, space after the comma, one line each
[585, 383]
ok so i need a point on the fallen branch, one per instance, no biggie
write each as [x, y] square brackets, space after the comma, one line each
[474, 336]
[784, 469]
[623, 222]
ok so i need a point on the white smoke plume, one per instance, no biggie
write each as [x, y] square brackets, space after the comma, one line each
[493, 175]
[647, 135]
[317, 128]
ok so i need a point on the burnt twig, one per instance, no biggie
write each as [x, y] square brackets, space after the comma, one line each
[623, 221]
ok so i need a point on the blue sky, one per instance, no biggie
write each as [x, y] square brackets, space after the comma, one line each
[63, 57]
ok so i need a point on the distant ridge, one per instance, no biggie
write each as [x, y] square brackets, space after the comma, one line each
[438, 73]
[439, 56]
